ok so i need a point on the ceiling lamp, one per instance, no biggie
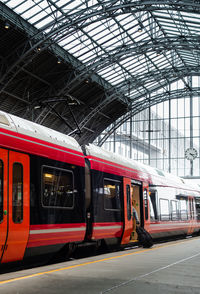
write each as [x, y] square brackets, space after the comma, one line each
[7, 25]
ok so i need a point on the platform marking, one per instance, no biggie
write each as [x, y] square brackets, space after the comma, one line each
[147, 274]
[96, 261]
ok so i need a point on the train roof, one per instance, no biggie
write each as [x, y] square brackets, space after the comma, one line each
[157, 176]
[29, 128]
[96, 151]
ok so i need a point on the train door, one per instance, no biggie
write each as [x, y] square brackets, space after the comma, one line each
[128, 222]
[16, 209]
[3, 198]
[191, 214]
[136, 200]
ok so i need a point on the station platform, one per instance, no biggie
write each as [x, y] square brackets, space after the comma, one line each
[166, 268]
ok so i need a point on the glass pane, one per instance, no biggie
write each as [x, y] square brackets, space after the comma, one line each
[57, 188]
[128, 195]
[17, 193]
[153, 206]
[111, 195]
[195, 102]
[196, 126]
[164, 209]
[183, 206]
[197, 204]
[1, 190]
[174, 210]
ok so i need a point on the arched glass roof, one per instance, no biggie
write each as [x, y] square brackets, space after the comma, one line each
[136, 46]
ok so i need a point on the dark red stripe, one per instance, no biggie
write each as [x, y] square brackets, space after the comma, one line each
[52, 238]
[106, 233]
[55, 238]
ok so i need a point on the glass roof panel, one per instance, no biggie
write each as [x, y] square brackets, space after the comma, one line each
[123, 41]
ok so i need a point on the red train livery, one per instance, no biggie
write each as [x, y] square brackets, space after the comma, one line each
[55, 196]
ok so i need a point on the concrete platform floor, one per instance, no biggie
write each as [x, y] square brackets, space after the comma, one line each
[167, 268]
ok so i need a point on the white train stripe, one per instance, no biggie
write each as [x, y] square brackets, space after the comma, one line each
[47, 231]
[106, 227]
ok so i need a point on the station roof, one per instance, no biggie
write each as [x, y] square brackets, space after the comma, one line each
[77, 66]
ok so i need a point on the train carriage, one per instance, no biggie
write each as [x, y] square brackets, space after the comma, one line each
[55, 195]
[113, 180]
[165, 204]
[42, 205]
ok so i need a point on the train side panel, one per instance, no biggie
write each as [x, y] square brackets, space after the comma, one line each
[172, 212]
[55, 213]
[15, 205]
[57, 205]
[106, 206]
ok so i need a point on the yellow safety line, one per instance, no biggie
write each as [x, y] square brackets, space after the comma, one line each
[90, 262]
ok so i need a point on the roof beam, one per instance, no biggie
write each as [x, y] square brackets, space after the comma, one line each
[146, 103]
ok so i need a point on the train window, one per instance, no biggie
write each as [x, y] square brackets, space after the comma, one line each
[128, 198]
[183, 208]
[164, 209]
[191, 205]
[17, 193]
[153, 205]
[111, 195]
[57, 188]
[1, 190]
[174, 210]
[197, 203]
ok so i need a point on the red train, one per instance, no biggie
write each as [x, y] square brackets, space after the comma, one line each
[54, 196]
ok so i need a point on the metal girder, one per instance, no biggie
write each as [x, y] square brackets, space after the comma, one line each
[76, 20]
[82, 18]
[168, 72]
[172, 74]
[145, 103]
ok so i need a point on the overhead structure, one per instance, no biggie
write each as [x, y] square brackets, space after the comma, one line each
[77, 66]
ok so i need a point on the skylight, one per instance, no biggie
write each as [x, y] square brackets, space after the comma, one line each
[118, 43]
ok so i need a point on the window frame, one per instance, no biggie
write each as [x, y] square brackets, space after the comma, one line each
[111, 209]
[153, 205]
[42, 196]
[128, 201]
[177, 210]
[197, 207]
[22, 204]
[167, 219]
[187, 211]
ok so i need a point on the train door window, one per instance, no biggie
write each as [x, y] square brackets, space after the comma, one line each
[183, 209]
[128, 197]
[17, 193]
[153, 205]
[57, 188]
[193, 208]
[164, 209]
[174, 210]
[191, 205]
[197, 204]
[111, 195]
[1, 190]
[146, 204]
